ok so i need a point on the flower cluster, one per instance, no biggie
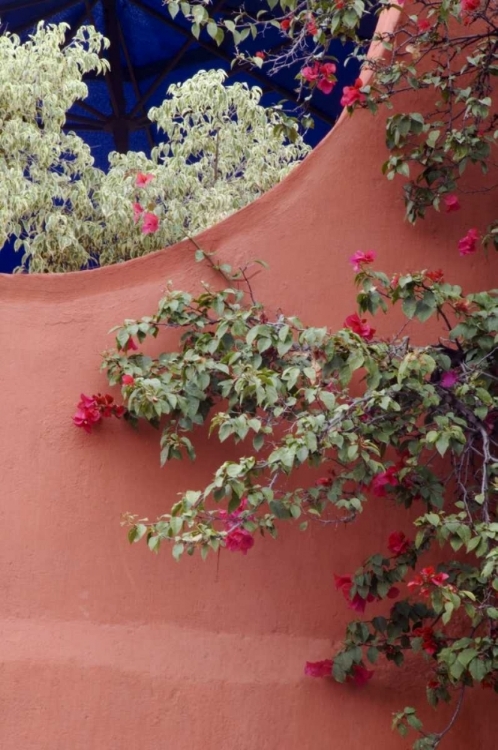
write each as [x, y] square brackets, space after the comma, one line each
[320, 74]
[358, 676]
[237, 539]
[425, 579]
[92, 409]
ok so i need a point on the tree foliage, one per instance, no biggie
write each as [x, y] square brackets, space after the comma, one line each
[221, 150]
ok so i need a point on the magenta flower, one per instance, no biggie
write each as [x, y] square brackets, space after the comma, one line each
[360, 258]
[128, 380]
[452, 203]
[360, 326]
[150, 223]
[467, 245]
[449, 379]
[143, 179]
[239, 540]
[137, 212]
[352, 95]
[398, 543]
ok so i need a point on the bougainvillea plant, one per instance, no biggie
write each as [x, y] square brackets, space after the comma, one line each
[445, 50]
[348, 416]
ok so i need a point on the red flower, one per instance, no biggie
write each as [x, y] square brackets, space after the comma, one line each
[385, 479]
[429, 642]
[323, 74]
[436, 276]
[359, 258]
[150, 223]
[86, 416]
[91, 409]
[352, 95]
[468, 6]
[423, 25]
[137, 212]
[360, 675]
[467, 245]
[449, 379]
[344, 584]
[311, 72]
[285, 24]
[239, 540]
[452, 203]
[143, 179]
[398, 543]
[311, 26]
[360, 326]
[319, 668]
[261, 55]
[426, 577]
[130, 345]
[393, 593]
[128, 380]
[324, 482]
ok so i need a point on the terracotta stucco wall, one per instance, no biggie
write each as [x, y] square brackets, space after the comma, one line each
[107, 647]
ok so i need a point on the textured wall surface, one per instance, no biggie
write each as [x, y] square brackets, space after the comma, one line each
[107, 647]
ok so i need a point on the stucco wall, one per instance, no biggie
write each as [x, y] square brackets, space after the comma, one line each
[107, 647]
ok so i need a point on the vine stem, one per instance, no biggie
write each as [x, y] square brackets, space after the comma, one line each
[440, 736]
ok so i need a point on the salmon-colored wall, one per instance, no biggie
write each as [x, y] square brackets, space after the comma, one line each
[107, 647]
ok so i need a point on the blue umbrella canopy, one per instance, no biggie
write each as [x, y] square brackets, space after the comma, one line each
[149, 50]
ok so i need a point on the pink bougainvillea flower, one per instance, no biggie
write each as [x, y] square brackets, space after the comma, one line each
[261, 55]
[467, 245]
[393, 592]
[86, 418]
[319, 668]
[352, 95]
[360, 326]
[325, 85]
[143, 179]
[150, 223]
[324, 482]
[239, 540]
[360, 675]
[137, 212]
[91, 409]
[452, 203]
[383, 480]
[398, 543]
[358, 603]
[130, 345]
[128, 380]
[285, 24]
[343, 583]
[449, 379]
[360, 258]
[311, 73]
[321, 74]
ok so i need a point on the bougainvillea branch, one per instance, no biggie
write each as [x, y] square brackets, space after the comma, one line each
[444, 50]
[373, 417]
